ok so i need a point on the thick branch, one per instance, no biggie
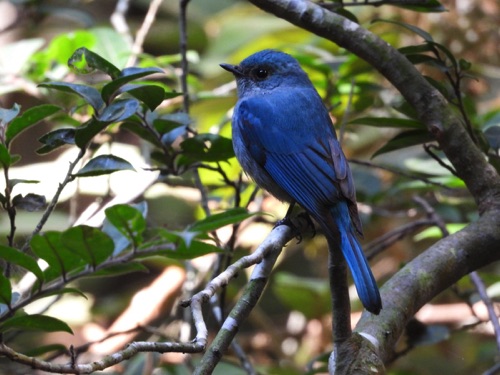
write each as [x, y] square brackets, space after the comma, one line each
[480, 177]
[442, 265]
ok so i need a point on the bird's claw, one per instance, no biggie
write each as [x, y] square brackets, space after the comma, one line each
[304, 215]
[288, 222]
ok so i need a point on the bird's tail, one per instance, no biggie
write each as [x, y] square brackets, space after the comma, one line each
[351, 249]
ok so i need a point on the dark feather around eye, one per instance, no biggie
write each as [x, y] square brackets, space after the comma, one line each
[260, 73]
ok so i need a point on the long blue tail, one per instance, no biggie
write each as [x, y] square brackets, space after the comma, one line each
[361, 273]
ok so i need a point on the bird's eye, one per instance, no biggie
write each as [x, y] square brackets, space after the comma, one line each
[261, 73]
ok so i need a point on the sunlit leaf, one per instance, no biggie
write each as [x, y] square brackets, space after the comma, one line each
[216, 221]
[88, 93]
[35, 323]
[29, 118]
[104, 164]
[128, 220]
[127, 75]
[186, 246]
[93, 246]
[15, 256]
[151, 95]
[85, 61]
[119, 110]
[120, 240]
[50, 248]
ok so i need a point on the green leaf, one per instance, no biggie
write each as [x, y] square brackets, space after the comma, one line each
[167, 123]
[425, 35]
[5, 157]
[207, 147]
[120, 269]
[186, 247]
[29, 118]
[7, 115]
[151, 95]
[388, 122]
[127, 75]
[435, 233]
[55, 139]
[58, 292]
[35, 323]
[119, 110]
[19, 258]
[88, 93]
[50, 248]
[216, 221]
[416, 59]
[138, 129]
[447, 52]
[89, 130]
[405, 139]
[92, 245]
[128, 220]
[85, 61]
[16, 181]
[428, 6]
[5, 290]
[417, 49]
[104, 164]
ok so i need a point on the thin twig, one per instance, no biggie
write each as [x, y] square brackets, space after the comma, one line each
[48, 211]
[428, 149]
[140, 37]
[264, 257]
[119, 21]
[481, 289]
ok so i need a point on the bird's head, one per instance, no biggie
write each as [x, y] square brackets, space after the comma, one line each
[266, 70]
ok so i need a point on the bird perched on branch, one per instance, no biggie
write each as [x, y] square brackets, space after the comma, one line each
[284, 139]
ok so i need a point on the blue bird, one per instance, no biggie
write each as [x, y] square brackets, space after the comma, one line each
[284, 139]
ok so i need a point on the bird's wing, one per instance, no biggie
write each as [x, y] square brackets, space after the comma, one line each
[303, 157]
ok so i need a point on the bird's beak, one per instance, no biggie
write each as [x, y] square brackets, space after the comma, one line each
[235, 69]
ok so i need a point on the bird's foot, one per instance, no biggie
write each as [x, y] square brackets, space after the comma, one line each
[288, 222]
[310, 224]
